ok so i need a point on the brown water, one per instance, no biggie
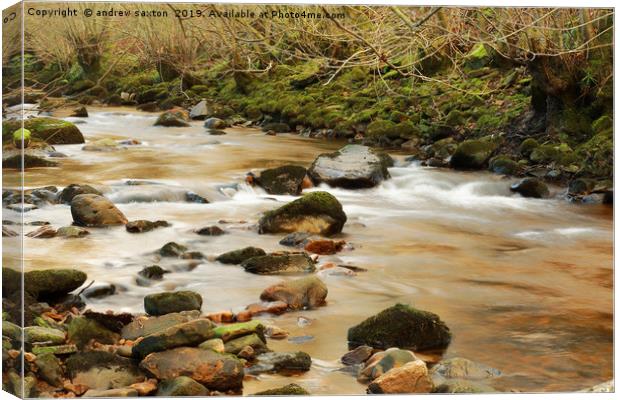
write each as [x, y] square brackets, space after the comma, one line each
[525, 285]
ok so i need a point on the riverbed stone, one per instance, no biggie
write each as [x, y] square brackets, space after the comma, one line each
[381, 362]
[199, 111]
[143, 225]
[215, 344]
[101, 370]
[175, 117]
[43, 232]
[240, 255]
[71, 232]
[279, 264]
[504, 165]
[231, 331]
[32, 158]
[216, 371]
[215, 123]
[181, 386]
[410, 378]
[316, 212]
[352, 167]
[171, 302]
[213, 230]
[40, 334]
[74, 189]
[154, 272]
[281, 362]
[462, 386]
[472, 154]
[97, 211]
[462, 368]
[50, 130]
[172, 249]
[304, 293]
[49, 284]
[292, 389]
[324, 246]
[287, 179]
[143, 326]
[186, 334]
[234, 346]
[531, 187]
[401, 326]
[82, 331]
[295, 239]
[358, 355]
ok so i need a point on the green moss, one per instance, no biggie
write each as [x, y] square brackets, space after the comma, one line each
[381, 128]
[601, 124]
[455, 118]
[472, 154]
[527, 146]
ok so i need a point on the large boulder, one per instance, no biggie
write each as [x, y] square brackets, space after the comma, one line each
[410, 378]
[472, 154]
[316, 212]
[214, 370]
[401, 326]
[95, 210]
[199, 111]
[186, 334]
[274, 264]
[69, 192]
[239, 256]
[308, 292]
[48, 284]
[531, 187]
[50, 130]
[172, 302]
[176, 117]
[352, 167]
[287, 179]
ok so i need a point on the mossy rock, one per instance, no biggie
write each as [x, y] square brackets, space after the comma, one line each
[181, 386]
[316, 212]
[504, 165]
[601, 124]
[32, 158]
[382, 128]
[472, 154]
[527, 146]
[82, 330]
[278, 127]
[478, 57]
[531, 187]
[50, 283]
[292, 389]
[401, 326]
[253, 340]
[455, 118]
[50, 130]
[240, 255]
[170, 302]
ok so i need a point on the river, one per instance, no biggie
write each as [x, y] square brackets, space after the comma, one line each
[525, 285]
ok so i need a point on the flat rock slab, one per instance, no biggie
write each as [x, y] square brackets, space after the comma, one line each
[352, 167]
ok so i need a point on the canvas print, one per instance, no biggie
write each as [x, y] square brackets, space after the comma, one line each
[251, 199]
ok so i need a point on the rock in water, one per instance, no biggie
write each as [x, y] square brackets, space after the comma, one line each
[50, 130]
[356, 356]
[316, 212]
[401, 326]
[287, 179]
[80, 112]
[172, 302]
[144, 326]
[279, 264]
[199, 111]
[176, 117]
[239, 256]
[181, 386]
[48, 284]
[186, 334]
[410, 378]
[215, 123]
[101, 370]
[382, 362]
[216, 371]
[95, 210]
[531, 187]
[472, 154]
[282, 361]
[352, 167]
[462, 368]
[73, 190]
[291, 389]
[309, 292]
[33, 158]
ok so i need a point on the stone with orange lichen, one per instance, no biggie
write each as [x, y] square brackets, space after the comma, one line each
[324, 246]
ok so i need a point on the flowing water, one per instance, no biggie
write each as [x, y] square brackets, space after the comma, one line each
[525, 285]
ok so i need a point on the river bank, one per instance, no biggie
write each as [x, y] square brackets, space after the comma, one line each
[439, 239]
